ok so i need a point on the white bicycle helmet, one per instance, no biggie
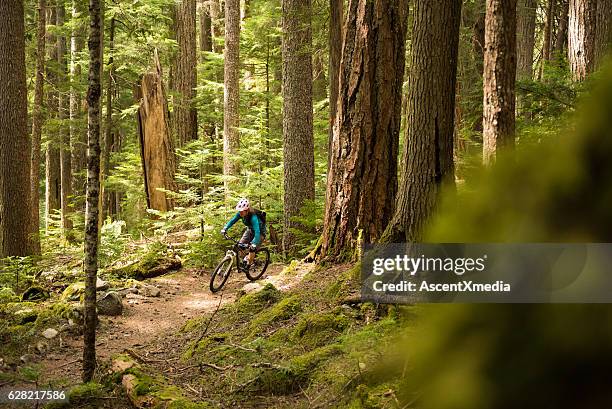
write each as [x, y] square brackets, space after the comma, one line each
[243, 204]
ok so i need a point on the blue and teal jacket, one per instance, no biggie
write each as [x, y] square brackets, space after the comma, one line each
[251, 221]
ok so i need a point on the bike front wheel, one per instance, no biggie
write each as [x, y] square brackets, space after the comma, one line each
[221, 274]
[260, 264]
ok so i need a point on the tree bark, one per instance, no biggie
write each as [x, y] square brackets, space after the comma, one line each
[548, 30]
[603, 34]
[205, 29]
[335, 52]
[78, 136]
[231, 96]
[64, 133]
[298, 140]
[581, 37]
[107, 198]
[185, 116]
[93, 187]
[15, 211]
[561, 37]
[362, 180]
[499, 78]
[37, 122]
[53, 192]
[428, 155]
[156, 146]
[525, 38]
[216, 21]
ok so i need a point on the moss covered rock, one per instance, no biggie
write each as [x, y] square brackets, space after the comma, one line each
[74, 292]
[255, 302]
[151, 265]
[283, 310]
[314, 330]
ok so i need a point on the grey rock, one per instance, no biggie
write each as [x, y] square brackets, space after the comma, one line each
[110, 304]
[101, 285]
[151, 291]
[26, 358]
[50, 333]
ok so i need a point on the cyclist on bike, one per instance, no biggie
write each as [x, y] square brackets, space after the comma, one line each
[253, 235]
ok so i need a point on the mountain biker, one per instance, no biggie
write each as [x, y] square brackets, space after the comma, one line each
[253, 234]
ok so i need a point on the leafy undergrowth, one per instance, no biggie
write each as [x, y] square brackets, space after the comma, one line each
[316, 345]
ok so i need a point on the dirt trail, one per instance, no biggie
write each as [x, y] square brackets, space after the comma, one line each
[147, 320]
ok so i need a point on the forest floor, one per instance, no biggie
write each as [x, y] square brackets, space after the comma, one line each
[298, 337]
[146, 321]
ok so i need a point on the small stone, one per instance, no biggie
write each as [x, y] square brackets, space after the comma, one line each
[50, 333]
[101, 285]
[27, 358]
[110, 304]
[131, 296]
[41, 347]
[151, 291]
[252, 288]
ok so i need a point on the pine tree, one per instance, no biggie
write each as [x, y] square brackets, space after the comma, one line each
[499, 78]
[362, 179]
[15, 216]
[581, 37]
[428, 154]
[231, 98]
[298, 141]
[185, 116]
[37, 123]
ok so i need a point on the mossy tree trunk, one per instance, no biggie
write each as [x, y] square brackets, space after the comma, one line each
[93, 187]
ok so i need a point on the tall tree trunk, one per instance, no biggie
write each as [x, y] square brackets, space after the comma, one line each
[64, 133]
[603, 34]
[52, 155]
[156, 146]
[93, 187]
[499, 78]
[581, 37]
[525, 38]
[231, 97]
[106, 197]
[561, 37]
[205, 29]
[216, 21]
[428, 155]
[78, 136]
[15, 212]
[185, 116]
[362, 180]
[548, 30]
[478, 40]
[298, 140]
[37, 122]
[336, 13]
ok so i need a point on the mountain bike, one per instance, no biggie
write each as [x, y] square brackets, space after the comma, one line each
[233, 256]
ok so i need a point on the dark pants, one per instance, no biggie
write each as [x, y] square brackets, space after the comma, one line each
[248, 236]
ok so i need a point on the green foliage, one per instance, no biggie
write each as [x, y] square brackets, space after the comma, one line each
[17, 273]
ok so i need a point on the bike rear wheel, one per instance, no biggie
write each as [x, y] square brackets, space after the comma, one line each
[221, 274]
[260, 264]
